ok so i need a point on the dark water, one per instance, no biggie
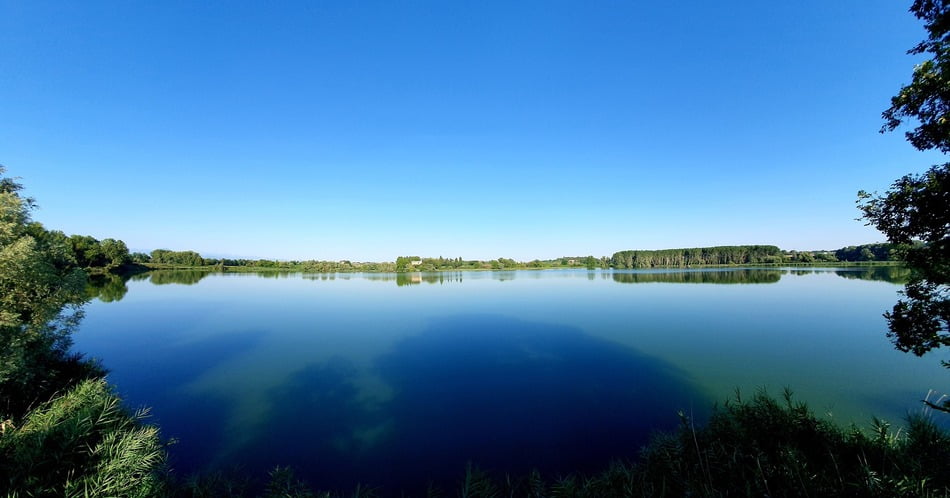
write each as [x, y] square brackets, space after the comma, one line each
[397, 380]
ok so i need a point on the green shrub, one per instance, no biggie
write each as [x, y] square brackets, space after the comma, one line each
[83, 443]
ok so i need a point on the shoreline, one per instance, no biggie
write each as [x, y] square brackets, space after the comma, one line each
[147, 267]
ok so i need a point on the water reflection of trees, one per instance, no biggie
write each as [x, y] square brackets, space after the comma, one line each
[892, 274]
[403, 279]
[743, 276]
[504, 275]
[106, 287]
[184, 277]
[275, 273]
[319, 276]
[110, 288]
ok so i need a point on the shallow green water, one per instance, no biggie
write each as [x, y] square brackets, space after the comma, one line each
[398, 379]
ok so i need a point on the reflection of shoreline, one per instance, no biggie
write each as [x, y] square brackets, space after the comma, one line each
[112, 288]
[743, 276]
[416, 278]
[892, 274]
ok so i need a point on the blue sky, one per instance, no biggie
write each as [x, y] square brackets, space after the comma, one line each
[367, 130]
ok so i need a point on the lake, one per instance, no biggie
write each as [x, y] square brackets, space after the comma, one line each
[400, 379]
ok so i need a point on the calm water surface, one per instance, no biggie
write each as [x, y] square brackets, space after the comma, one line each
[395, 380]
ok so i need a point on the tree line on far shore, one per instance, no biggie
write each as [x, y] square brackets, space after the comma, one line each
[113, 255]
[700, 256]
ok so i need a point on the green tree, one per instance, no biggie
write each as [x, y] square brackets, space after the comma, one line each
[62, 431]
[719, 255]
[182, 258]
[926, 100]
[916, 206]
[40, 297]
[404, 263]
[116, 253]
[871, 252]
[87, 251]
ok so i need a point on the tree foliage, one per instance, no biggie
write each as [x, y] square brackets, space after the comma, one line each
[41, 291]
[181, 258]
[926, 99]
[92, 253]
[916, 206]
[871, 252]
[405, 263]
[720, 255]
[62, 433]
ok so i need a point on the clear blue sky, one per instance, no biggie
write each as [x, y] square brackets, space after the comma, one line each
[367, 130]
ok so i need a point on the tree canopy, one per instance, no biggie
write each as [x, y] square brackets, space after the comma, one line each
[926, 99]
[40, 289]
[63, 432]
[916, 208]
[916, 205]
[720, 255]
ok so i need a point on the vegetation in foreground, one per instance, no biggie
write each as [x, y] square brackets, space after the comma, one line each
[85, 444]
[62, 430]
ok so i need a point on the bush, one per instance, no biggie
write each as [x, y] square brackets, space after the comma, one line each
[82, 443]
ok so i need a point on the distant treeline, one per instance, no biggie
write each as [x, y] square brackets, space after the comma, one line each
[164, 258]
[700, 256]
[416, 263]
[112, 252]
[870, 252]
[755, 254]
[189, 259]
